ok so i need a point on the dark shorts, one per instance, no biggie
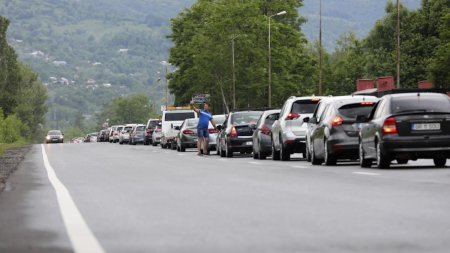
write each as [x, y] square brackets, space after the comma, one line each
[202, 133]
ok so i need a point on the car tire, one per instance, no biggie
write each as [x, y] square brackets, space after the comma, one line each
[330, 159]
[255, 155]
[261, 155]
[121, 142]
[440, 162]
[314, 159]
[383, 161]
[275, 153]
[229, 152]
[402, 161]
[363, 162]
[284, 153]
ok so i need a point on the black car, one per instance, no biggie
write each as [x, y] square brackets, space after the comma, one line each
[406, 127]
[262, 140]
[333, 130]
[236, 133]
[54, 136]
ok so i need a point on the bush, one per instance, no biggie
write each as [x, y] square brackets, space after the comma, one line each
[10, 129]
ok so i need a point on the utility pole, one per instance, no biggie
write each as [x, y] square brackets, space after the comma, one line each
[270, 58]
[320, 52]
[234, 73]
[398, 44]
[167, 87]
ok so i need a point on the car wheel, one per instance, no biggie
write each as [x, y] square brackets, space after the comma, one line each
[284, 153]
[383, 161]
[120, 142]
[363, 162]
[275, 153]
[307, 154]
[255, 155]
[402, 161]
[261, 155]
[229, 152]
[330, 159]
[440, 162]
[314, 159]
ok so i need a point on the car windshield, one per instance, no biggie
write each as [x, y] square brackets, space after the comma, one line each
[304, 106]
[140, 128]
[241, 118]
[153, 124]
[420, 104]
[179, 116]
[54, 132]
[128, 128]
[353, 110]
[192, 123]
[119, 128]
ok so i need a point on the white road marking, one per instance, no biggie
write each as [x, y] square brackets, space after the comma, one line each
[81, 237]
[223, 159]
[166, 152]
[365, 173]
[299, 167]
[180, 154]
[256, 163]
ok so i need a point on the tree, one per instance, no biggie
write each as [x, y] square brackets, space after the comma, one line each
[440, 64]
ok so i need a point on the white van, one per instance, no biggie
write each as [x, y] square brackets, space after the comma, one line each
[171, 119]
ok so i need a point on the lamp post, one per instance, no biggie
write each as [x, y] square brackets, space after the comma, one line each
[166, 64]
[270, 58]
[398, 43]
[320, 52]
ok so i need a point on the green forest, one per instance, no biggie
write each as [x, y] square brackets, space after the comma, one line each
[22, 97]
[203, 36]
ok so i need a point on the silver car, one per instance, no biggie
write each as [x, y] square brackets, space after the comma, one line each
[137, 135]
[124, 136]
[187, 135]
[289, 131]
[115, 132]
[262, 140]
[156, 136]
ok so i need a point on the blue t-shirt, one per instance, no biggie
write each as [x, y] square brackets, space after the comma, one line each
[203, 119]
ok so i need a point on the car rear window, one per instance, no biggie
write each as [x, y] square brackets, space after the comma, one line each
[192, 123]
[153, 124]
[140, 128]
[241, 118]
[270, 119]
[119, 128]
[420, 104]
[353, 110]
[179, 116]
[304, 106]
[128, 128]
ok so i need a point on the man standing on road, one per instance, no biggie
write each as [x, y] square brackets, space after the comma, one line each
[204, 117]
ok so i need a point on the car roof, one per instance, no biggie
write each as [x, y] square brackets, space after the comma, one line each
[351, 99]
[416, 94]
[307, 98]
[178, 111]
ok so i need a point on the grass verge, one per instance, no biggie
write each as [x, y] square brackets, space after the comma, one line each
[5, 146]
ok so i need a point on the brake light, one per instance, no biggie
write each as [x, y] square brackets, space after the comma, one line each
[188, 131]
[148, 130]
[292, 116]
[315, 99]
[390, 126]
[157, 130]
[212, 131]
[367, 103]
[233, 132]
[265, 130]
[337, 121]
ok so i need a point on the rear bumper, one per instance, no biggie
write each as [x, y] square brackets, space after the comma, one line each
[240, 144]
[417, 147]
[297, 145]
[347, 147]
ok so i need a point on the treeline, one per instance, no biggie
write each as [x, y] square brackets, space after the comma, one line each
[22, 97]
[203, 37]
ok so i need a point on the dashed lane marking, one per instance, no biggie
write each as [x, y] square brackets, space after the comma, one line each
[255, 163]
[365, 173]
[80, 235]
[300, 167]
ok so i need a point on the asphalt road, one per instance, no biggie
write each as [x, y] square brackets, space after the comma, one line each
[146, 199]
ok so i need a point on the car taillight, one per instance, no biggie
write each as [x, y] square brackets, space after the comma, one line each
[337, 121]
[390, 126]
[233, 132]
[367, 103]
[157, 130]
[212, 131]
[148, 130]
[265, 130]
[188, 131]
[292, 116]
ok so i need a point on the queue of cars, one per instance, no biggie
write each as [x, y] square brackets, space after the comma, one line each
[325, 130]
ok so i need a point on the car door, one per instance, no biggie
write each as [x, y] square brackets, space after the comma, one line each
[319, 132]
[369, 131]
[277, 127]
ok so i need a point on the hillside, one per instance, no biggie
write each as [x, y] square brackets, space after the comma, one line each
[88, 51]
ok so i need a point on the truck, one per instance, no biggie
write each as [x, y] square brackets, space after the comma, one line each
[170, 120]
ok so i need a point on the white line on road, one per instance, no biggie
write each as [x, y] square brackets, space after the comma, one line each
[81, 237]
[256, 163]
[299, 167]
[223, 159]
[366, 173]
[181, 154]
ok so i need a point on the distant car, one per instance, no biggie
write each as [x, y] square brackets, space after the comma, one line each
[124, 136]
[187, 135]
[156, 136]
[77, 140]
[137, 135]
[92, 137]
[114, 133]
[54, 136]
[170, 120]
[334, 132]
[262, 140]
[103, 135]
[406, 127]
[236, 133]
[289, 131]
[150, 127]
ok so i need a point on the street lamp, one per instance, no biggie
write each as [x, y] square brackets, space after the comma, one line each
[320, 52]
[166, 64]
[398, 43]
[270, 58]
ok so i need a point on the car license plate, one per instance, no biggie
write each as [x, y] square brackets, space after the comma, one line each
[249, 143]
[426, 126]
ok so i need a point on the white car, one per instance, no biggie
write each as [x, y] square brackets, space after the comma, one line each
[124, 136]
[170, 120]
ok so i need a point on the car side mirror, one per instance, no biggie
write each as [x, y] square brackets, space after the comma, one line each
[177, 128]
[306, 120]
[219, 128]
[361, 119]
